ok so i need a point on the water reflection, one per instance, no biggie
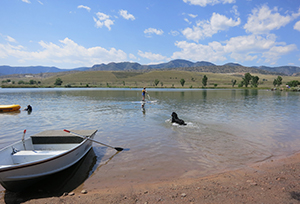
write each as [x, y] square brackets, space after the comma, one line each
[10, 113]
[204, 94]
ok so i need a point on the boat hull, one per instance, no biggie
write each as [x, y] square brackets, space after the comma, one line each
[20, 175]
[9, 108]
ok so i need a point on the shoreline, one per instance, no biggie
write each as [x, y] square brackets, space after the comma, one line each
[271, 181]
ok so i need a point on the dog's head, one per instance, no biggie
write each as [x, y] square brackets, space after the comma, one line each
[174, 115]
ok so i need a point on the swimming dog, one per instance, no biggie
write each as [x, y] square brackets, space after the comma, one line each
[175, 119]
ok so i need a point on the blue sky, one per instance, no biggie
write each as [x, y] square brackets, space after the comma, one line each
[77, 33]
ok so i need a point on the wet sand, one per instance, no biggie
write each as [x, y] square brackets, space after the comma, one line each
[271, 181]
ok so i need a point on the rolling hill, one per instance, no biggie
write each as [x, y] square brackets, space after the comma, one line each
[178, 64]
[8, 70]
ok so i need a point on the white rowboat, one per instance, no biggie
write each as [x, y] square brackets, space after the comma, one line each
[40, 155]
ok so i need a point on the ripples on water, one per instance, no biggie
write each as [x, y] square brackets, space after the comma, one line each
[226, 128]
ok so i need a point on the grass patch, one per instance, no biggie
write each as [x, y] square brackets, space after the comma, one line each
[133, 79]
[121, 75]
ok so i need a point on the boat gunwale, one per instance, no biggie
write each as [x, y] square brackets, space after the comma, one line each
[28, 164]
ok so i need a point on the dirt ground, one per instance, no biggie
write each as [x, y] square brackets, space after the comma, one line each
[273, 181]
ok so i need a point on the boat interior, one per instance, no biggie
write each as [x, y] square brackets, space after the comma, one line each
[44, 146]
[39, 147]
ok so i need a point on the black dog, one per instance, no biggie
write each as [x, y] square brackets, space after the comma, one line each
[175, 119]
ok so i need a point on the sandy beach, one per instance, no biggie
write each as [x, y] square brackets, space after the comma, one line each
[271, 181]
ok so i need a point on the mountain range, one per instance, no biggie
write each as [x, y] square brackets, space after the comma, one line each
[174, 64]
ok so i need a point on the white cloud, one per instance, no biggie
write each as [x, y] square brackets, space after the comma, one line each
[296, 15]
[132, 56]
[26, 1]
[67, 52]
[10, 50]
[203, 3]
[250, 43]
[241, 48]
[187, 20]
[103, 20]
[174, 32]
[10, 39]
[193, 51]
[263, 20]
[205, 29]
[297, 26]
[235, 11]
[126, 15]
[151, 56]
[192, 15]
[275, 52]
[150, 31]
[84, 7]
[248, 48]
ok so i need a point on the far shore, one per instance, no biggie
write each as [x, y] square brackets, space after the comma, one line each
[157, 87]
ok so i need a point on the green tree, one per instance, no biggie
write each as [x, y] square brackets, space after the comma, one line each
[293, 83]
[156, 81]
[182, 81]
[233, 81]
[204, 80]
[254, 81]
[241, 84]
[58, 82]
[247, 79]
[275, 82]
[161, 83]
[278, 81]
[32, 82]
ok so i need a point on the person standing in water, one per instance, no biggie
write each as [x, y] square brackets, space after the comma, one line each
[144, 93]
[29, 108]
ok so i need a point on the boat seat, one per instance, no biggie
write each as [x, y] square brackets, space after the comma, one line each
[33, 155]
[3, 166]
[56, 139]
[60, 137]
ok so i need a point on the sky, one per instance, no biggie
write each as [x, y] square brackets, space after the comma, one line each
[81, 33]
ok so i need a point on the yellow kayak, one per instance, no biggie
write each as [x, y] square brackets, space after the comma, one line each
[9, 108]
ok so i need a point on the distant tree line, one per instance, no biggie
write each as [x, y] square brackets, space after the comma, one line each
[7, 81]
[31, 82]
[278, 81]
[247, 80]
[293, 83]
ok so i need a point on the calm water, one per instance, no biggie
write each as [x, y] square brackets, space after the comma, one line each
[226, 128]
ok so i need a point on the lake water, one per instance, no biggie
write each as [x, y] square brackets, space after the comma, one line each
[226, 129]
